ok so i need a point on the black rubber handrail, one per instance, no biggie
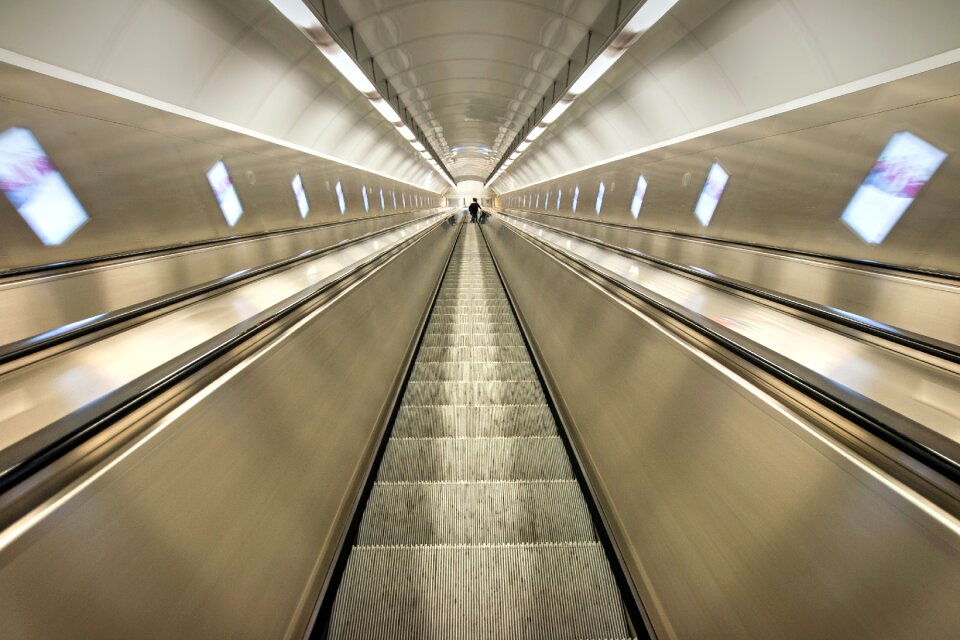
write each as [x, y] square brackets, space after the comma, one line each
[30, 455]
[20, 348]
[891, 427]
[913, 340]
[768, 248]
[182, 247]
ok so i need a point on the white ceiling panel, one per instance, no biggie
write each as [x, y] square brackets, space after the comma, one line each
[471, 71]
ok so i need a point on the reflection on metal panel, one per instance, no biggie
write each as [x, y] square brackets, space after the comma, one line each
[890, 379]
[735, 517]
[37, 190]
[903, 168]
[794, 174]
[241, 494]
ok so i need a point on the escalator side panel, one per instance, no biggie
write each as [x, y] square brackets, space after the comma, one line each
[732, 518]
[226, 523]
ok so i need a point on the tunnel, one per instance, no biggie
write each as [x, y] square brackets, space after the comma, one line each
[479, 319]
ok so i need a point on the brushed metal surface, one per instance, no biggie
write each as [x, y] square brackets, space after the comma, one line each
[926, 392]
[925, 306]
[223, 521]
[32, 306]
[50, 389]
[736, 518]
[791, 177]
[140, 173]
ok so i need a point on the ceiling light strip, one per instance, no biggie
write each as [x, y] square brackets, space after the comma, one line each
[639, 23]
[309, 24]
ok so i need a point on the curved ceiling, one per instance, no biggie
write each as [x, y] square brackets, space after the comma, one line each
[656, 92]
[471, 71]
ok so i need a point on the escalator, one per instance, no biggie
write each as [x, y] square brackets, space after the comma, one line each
[476, 526]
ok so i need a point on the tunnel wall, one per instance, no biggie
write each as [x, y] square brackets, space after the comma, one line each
[759, 85]
[709, 62]
[791, 176]
[140, 174]
[240, 61]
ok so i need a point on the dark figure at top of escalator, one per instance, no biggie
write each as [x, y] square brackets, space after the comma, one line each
[474, 210]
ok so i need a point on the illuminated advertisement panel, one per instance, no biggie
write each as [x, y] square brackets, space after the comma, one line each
[711, 193]
[341, 201]
[300, 195]
[638, 194]
[905, 165]
[36, 189]
[219, 179]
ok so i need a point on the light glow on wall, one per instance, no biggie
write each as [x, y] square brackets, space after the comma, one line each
[576, 196]
[904, 166]
[638, 194]
[36, 189]
[227, 198]
[340, 199]
[599, 204]
[298, 192]
[711, 194]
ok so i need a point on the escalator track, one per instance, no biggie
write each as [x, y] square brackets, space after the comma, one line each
[475, 526]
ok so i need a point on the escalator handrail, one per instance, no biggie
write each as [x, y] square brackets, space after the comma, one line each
[903, 337]
[30, 455]
[894, 269]
[878, 420]
[20, 348]
[183, 247]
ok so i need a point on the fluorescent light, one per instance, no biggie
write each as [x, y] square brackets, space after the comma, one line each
[300, 14]
[556, 111]
[597, 68]
[353, 73]
[648, 15]
[418, 146]
[385, 110]
[537, 132]
[297, 13]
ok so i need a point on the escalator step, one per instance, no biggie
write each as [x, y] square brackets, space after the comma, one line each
[476, 513]
[522, 591]
[470, 328]
[474, 459]
[475, 526]
[473, 393]
[473, 354]
[469, 422]
[472, 371]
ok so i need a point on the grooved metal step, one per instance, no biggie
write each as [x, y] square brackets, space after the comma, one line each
[471, 393]
[523, 591]
[472, 371]
[475, 526]
[470, 422]
[477, 459]
[476, 513]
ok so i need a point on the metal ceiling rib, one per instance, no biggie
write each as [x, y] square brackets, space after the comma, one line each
[467, 75]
